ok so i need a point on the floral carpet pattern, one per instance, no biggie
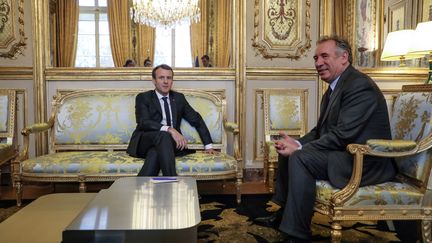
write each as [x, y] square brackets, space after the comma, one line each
[222, 220]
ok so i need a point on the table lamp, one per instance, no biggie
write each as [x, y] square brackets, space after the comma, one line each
[423, 44]
[397, 45]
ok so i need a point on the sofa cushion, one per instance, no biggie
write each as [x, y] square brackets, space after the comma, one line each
[119, 162]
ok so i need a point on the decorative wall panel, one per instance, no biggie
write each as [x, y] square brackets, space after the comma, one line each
[12, 38]
[282, 28]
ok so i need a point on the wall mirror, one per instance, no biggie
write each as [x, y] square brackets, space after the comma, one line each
[101, 34]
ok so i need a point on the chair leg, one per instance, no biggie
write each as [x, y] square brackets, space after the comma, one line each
[18, 192]
[238, 190]
[336, 232]
[271, 173]
[82, 187]
[426, 228]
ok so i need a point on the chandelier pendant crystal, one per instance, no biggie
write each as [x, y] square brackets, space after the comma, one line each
[165, 13]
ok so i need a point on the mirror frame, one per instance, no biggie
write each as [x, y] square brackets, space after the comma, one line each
[47, 38]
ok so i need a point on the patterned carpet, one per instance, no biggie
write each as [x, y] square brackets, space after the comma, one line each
[225, 221]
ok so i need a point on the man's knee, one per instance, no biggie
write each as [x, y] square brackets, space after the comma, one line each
[164, 138]
[297, 158]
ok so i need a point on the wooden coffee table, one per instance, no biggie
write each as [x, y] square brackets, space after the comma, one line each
[135, 208]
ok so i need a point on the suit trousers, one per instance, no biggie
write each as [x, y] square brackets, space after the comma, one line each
[296, 188]
[158, 149]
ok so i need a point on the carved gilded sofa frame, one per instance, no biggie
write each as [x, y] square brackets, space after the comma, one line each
[407, 198]
[89, 131]
[284, 111]
[8, 122]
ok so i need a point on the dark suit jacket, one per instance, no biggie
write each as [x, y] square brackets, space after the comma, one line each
[357, 111]
[148, 115]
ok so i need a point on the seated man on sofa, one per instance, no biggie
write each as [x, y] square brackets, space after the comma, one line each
[157, 137]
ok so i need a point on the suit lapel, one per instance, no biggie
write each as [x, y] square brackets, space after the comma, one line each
[173, 109]
[156, 102]
[336, 93]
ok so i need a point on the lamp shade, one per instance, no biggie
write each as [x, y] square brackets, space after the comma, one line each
[422, 37]
[397, 46]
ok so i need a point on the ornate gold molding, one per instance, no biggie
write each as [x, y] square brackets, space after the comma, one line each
[282, 30]
[101, 74]
[7, 10]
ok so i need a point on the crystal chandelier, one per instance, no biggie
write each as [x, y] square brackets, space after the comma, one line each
[165, 13]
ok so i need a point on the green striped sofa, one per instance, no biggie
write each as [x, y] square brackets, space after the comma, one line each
[89, 131]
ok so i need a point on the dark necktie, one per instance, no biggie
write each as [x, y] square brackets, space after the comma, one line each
[167, 112]
[326, 98]
[325, 101]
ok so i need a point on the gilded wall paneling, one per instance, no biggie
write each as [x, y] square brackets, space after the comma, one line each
[282, 29]
[12, 36]
[258, 150]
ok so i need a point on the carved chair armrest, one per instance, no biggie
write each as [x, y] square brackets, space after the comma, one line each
[391, 148]
[234, 129]
[379, 148]
[35, 128]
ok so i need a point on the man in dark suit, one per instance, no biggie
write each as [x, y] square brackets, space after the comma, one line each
[353, 110]
[157, 137]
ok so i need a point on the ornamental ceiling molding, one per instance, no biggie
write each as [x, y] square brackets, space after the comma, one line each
[282, 28]
[12, 37]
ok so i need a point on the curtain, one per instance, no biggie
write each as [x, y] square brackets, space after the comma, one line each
[339, 16]
[67, 19]
[145, 44]
[222, 48]
[199, 35]
[119, 27]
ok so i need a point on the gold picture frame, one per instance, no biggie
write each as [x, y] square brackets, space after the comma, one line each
[282, 28]
[12, 37]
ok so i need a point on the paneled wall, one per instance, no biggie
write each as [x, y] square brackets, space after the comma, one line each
[244, 83]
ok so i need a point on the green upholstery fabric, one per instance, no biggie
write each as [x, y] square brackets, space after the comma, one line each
[411, 121]
[391, 145]
[109, 118]
[289, 106]
[118, 162]
[388, 193]
[4, 118]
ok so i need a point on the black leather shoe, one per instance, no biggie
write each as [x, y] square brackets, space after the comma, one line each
[273, 220]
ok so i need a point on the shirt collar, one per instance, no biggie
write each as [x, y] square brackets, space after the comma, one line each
[334, 83]
[160, 96]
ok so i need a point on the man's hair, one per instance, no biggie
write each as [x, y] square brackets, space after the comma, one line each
[128, 61]
[205, 57]
[163, 66]
[147, 61]
[341, 44]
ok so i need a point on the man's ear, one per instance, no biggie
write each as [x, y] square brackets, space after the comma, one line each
[345, 57]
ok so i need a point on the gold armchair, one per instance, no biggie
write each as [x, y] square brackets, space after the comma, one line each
[284, 110]
[407, 198]
[8, 145]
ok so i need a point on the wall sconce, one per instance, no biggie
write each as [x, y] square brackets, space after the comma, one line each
[397, 46]
[423, 44]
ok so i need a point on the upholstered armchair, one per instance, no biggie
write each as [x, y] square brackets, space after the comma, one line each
[284, 110]
[407, 198]
[8, 147]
